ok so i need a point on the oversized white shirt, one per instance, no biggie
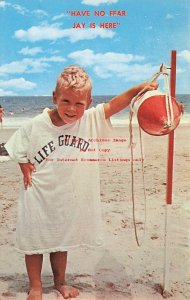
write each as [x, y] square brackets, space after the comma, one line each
[62, 208]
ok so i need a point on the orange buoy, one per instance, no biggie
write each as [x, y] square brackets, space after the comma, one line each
[154, 114]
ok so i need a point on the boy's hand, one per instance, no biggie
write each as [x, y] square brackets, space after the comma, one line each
[147, 86]
[121, 101]
[150, 86]
[27, 170]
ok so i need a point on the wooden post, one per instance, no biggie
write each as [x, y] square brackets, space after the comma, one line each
[171, 135]
[166, 286]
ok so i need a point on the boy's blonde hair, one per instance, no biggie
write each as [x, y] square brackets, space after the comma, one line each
[76, 78]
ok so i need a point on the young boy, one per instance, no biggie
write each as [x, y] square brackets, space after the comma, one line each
[59, 206]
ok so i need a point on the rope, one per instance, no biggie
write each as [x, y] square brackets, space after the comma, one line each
[141, 93]
[170, 117]
[169, 107]
[132, 178]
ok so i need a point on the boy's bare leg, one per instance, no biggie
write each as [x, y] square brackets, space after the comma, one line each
[34, 267]
[58, 263]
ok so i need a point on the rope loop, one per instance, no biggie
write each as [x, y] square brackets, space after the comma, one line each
[170, 117]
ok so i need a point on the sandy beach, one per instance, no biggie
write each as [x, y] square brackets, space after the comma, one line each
[121, 271]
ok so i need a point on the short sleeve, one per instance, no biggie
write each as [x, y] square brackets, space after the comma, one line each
[103, 126]
[17, 146]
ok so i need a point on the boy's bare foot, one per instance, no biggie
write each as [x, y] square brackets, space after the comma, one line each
[67, 291]
[34, 295]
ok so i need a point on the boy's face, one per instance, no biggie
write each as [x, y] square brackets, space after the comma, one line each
[70, 105]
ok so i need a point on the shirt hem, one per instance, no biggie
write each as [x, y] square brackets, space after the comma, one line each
[59, 249]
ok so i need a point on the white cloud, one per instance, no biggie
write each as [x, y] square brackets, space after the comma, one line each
[53, 32]
[7, 93]
[121, 65]
[20, 9]
[30, 65]
[58, 17]
[89, 34]
[30, 51]
[40, 12]
[17, 83]
[185, 55]
[3, 4]
[87, 57]
[98, 2]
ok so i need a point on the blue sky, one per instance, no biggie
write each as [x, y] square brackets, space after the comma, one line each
[37, 41]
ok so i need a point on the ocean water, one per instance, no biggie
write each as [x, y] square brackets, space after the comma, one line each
[19, 109]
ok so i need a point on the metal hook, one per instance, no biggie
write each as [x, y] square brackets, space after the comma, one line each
[163, 69]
